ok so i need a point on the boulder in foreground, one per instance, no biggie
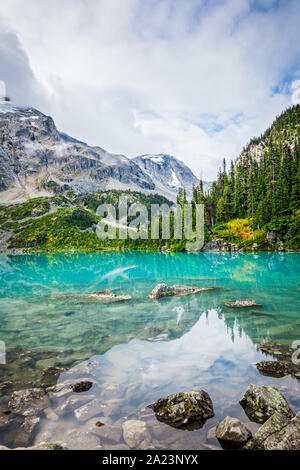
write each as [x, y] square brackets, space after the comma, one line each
[182, 410]
[163, 290]
[260, 403]
[277, 433]
[232, 433]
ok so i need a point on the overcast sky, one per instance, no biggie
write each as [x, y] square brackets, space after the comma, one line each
[193, 78]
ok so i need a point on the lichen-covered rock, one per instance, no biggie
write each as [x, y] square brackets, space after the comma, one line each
[184, 409]
[232, 433]
[242, 303]
[274, 424]
[274, 368]
[277, 433]
[288, 438]
[28, 402]
[163, 290]
[135, 432]
[25, 407]
[260, 403]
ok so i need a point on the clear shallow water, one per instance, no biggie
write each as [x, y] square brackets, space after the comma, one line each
[149, 349]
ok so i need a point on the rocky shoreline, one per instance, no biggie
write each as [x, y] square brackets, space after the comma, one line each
[96, 410]
[214, 246]
[90, 412]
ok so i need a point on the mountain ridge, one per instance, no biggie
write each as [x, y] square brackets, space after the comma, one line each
[35, 159]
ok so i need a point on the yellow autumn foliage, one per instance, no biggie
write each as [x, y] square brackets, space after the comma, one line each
[241, 229]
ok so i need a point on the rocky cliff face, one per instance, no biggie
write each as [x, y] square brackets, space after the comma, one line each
[35, 159]
[168, 173]
[34, 154]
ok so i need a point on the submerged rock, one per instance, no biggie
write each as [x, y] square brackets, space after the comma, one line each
[242, 303]
[81, 440]
[184, 409]
[232, 433]
[135, 433]
[284, 354]
[163, 290]
[103, 295]
[71, 403]
[211, 434]
[109, 432]
[108, 295]
[40, 446]
[50, 376]
[83, 386]
[277, 350]
[5, 420]
[274, 368]
[26, 430]
[50, 414]
[89, 410]
[28, 402]
[5, 387]
[260, 403]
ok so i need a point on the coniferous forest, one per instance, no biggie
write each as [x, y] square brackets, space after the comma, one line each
[253, 204]
[260, 191]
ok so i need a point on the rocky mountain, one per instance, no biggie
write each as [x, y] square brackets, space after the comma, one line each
[38, 160]
[168, 174]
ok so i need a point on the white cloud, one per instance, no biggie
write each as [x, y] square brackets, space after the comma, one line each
[195, 79]
[2, 89]
[296, 92]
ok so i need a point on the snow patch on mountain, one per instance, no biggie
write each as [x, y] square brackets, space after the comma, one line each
[35, 158]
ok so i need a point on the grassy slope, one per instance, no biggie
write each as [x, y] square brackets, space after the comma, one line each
[69, 222]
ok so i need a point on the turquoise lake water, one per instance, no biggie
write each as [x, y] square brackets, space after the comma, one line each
[149, 349]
